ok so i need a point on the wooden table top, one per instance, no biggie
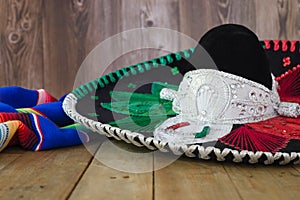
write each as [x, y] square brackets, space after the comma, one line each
[73, 173]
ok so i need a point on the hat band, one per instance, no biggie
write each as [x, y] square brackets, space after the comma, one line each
[214, 96]
[208, 102]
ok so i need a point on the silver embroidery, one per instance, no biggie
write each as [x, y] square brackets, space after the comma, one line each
[211, 95]
[289, 109]
[167, 94]
[207, 97]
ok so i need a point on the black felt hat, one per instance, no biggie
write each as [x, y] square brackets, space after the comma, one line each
[235, 49]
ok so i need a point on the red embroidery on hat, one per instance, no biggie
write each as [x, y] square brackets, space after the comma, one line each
[289, 85]
[286, 61]
[179, 125]
[276, 45]
[267, 44]
[281, 44]
[289, 91]
[246, 138]
[293, 45]
[284, 45]
[282, 76]
[281, 126]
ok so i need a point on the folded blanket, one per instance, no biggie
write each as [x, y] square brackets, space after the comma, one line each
[36, 121]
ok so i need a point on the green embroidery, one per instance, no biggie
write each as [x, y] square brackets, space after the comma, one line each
[95, 84]
[118, 74]
[124, 70]
[178, 56]
[169, 58]
[131, 85]
[111, 77]
[79, 92]
[90, 88]
[93, 115]
[94, 97]
[139, 124]
[101, 84]
[84, 90]
[140, 68]
[186, 53]
[175, 71]
[132, 70]
[203, 133]
[147, 66]
[104, 78]
[162, 61]
[154, 63]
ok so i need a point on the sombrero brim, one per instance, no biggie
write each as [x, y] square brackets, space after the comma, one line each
[98, 108]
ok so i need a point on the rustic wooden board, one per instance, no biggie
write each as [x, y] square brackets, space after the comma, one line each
[298, 19]
[71, 30]
[297, 167]
[8, 156]
[21, 52]
[263, 182]
[269, 19]
[288, 15]
[277, 19]
[103, 22]
[65, 25]
[50, 39]
[42, 175]
[193, 179]
[197, 17]
[144, 15]
[103, 182]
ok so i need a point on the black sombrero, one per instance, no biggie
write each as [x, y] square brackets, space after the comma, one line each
[246, 110]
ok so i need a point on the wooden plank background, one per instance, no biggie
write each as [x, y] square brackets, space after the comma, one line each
[21, 43]
[43, 42]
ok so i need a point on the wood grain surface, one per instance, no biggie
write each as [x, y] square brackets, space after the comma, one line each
[65, 26]
[202, 180]
[197, 18]
[264, 182]
[21, 43]
[145, 14]
[277, 19]
[44, 42]
[41, 175]
[298, 18]
[111, 182]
